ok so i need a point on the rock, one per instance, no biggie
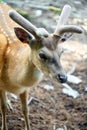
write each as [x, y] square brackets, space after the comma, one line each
[73, 79]
[69, 91]
[48, 87]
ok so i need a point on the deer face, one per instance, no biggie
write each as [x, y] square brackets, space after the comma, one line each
[51, 59]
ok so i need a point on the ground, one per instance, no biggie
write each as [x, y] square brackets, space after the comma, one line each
[55, 109]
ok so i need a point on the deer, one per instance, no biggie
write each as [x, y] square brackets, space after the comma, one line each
[27, 54]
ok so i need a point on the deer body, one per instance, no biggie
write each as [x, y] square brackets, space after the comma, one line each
[26, 56]
[14, 75]
[18, 68]
[17, 71]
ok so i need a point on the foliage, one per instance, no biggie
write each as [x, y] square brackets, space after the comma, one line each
[23, 13]
[1, 1]
[55, 9]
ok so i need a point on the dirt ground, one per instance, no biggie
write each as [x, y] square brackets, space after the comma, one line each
[55, 109]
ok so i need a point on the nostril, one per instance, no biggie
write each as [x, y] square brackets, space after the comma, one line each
[62, 78]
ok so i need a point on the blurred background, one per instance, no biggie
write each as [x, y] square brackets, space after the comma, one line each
[43, 12]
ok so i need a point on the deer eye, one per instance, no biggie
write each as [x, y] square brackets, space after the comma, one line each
[43, 56]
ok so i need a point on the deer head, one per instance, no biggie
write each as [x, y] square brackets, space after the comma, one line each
[45, 49]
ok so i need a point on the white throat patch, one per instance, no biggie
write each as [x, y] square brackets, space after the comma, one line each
[38, 74]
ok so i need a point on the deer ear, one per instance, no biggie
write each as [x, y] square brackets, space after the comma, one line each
[22, 35]
[65, 36]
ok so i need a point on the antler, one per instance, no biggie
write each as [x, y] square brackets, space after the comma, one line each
[52, 40]
[61, 28]
[37, 32]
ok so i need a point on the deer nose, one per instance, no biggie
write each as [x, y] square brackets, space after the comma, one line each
[62, 78]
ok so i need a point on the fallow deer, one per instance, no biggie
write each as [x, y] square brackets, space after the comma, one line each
[28, 55]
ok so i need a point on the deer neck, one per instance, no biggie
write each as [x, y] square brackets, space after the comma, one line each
[32, 74]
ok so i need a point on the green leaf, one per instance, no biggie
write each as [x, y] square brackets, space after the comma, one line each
[1, 0]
